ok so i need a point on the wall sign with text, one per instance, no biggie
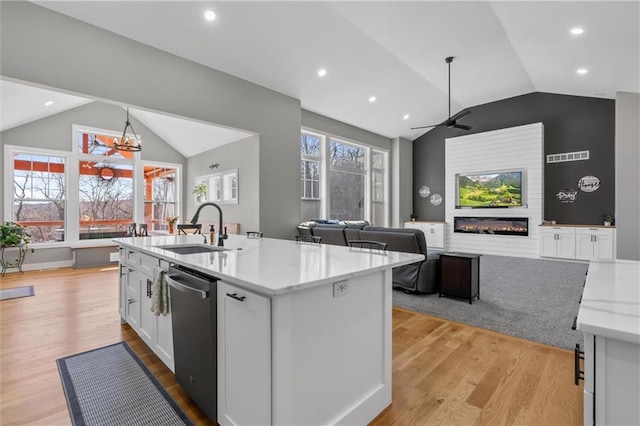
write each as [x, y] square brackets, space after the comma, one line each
[589, 183]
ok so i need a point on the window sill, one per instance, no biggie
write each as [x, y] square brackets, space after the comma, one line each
[104, 242]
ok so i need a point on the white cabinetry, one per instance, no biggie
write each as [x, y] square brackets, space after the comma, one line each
[433, 232]
[594, 243]
[612, 384]
[558, 242]
[136, 296]
[577, 242]
[244, 357]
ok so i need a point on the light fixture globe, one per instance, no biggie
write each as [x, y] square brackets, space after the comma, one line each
[125, 143]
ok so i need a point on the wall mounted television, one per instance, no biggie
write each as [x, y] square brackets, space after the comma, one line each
[490, 189]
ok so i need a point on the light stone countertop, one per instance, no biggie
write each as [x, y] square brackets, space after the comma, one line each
[611, 300]
[271, 266]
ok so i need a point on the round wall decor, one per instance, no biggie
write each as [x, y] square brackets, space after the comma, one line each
[436, 199]
[424, 191]
[589, 183]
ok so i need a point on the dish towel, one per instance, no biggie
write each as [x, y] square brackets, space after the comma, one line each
[160, 297]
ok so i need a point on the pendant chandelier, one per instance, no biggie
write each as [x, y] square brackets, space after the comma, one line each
[125, 143]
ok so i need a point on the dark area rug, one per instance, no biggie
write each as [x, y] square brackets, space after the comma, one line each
[529, 298]
[16, 292]
[111, 386]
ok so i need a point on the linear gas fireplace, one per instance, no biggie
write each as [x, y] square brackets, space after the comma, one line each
[492, 225]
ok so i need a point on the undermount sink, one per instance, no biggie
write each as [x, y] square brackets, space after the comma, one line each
[191, 248]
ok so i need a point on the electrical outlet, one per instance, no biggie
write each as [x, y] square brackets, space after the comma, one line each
[114, 257]
[341, 288]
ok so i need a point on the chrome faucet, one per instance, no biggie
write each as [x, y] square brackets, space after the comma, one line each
[222, 235]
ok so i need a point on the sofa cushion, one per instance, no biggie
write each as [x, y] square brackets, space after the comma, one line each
[397, 241]
[419, 235]
[331, 234]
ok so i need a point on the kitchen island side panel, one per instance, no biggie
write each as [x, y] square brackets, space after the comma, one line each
[332, 354]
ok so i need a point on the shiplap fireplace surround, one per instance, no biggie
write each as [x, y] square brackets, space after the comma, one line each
[515, 148]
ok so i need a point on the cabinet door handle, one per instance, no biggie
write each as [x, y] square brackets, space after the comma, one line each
[577, 356]
[130, 301]
[575, 320]
[235, 296]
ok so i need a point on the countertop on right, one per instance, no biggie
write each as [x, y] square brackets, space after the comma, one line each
[611, 300]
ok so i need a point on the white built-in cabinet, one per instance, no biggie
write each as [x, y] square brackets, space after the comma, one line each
[594, 243]
[244, 357]
[136, 295]
[433, 232]
[558, 242]
[577, 242]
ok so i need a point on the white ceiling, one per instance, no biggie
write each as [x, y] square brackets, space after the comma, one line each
[393, 50]
[23, 104]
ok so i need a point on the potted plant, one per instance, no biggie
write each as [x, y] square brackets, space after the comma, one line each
[201, 192]
[14, 235]
[608, 219]
[172, 223]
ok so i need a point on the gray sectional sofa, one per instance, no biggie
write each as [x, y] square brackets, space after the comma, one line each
[420, 277]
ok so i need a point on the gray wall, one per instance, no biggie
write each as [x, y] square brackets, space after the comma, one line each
[628, 175]
[242, 155]
[55, 132]
[401, 181]
[571, 123]
[338, 128]
[43, 47]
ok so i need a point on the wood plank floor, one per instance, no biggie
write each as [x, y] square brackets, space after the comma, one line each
[444, 373]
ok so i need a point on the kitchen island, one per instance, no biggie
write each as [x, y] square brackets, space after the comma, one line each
[303, 330]
[609, 318]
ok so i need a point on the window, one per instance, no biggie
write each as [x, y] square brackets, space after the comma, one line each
[99, 183]
[222, 188]
[310, 149]
[346, 181]
[160, 196]
[39, 199]
[354, 175]
[105, 186]
[378, 205]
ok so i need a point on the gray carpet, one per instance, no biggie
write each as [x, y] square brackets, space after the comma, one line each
[111, 386]
[16, 292]
[529, 298]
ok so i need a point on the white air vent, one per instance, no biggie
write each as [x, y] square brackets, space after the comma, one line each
[568, 156]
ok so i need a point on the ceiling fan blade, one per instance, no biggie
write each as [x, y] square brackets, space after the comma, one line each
[462, 126]
[426, 127]
[459, 115]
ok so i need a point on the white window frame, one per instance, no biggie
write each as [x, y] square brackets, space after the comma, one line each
[318, 159]
[72, 173]
[325, 169]
[225, 180]
[9, 151]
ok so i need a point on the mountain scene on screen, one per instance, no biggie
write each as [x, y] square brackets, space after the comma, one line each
[490, 190]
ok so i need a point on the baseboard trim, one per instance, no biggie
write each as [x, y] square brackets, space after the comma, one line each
[45, 265]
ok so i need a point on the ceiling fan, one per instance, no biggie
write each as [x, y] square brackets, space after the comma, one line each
[451, 122]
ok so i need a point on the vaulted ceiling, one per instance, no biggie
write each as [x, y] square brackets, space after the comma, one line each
[394, 51]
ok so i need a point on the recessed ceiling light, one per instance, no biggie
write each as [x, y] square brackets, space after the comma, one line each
[48, 103]
[406, 117]
[577, 31]
[322, 72]
[582, 71]
[372, 99]
[209, 15]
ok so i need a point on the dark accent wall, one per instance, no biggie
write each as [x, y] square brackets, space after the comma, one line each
[571, 123]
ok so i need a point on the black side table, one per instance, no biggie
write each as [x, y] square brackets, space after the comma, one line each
[460, 275]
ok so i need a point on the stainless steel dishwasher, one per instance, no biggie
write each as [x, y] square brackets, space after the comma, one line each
[193, 317]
